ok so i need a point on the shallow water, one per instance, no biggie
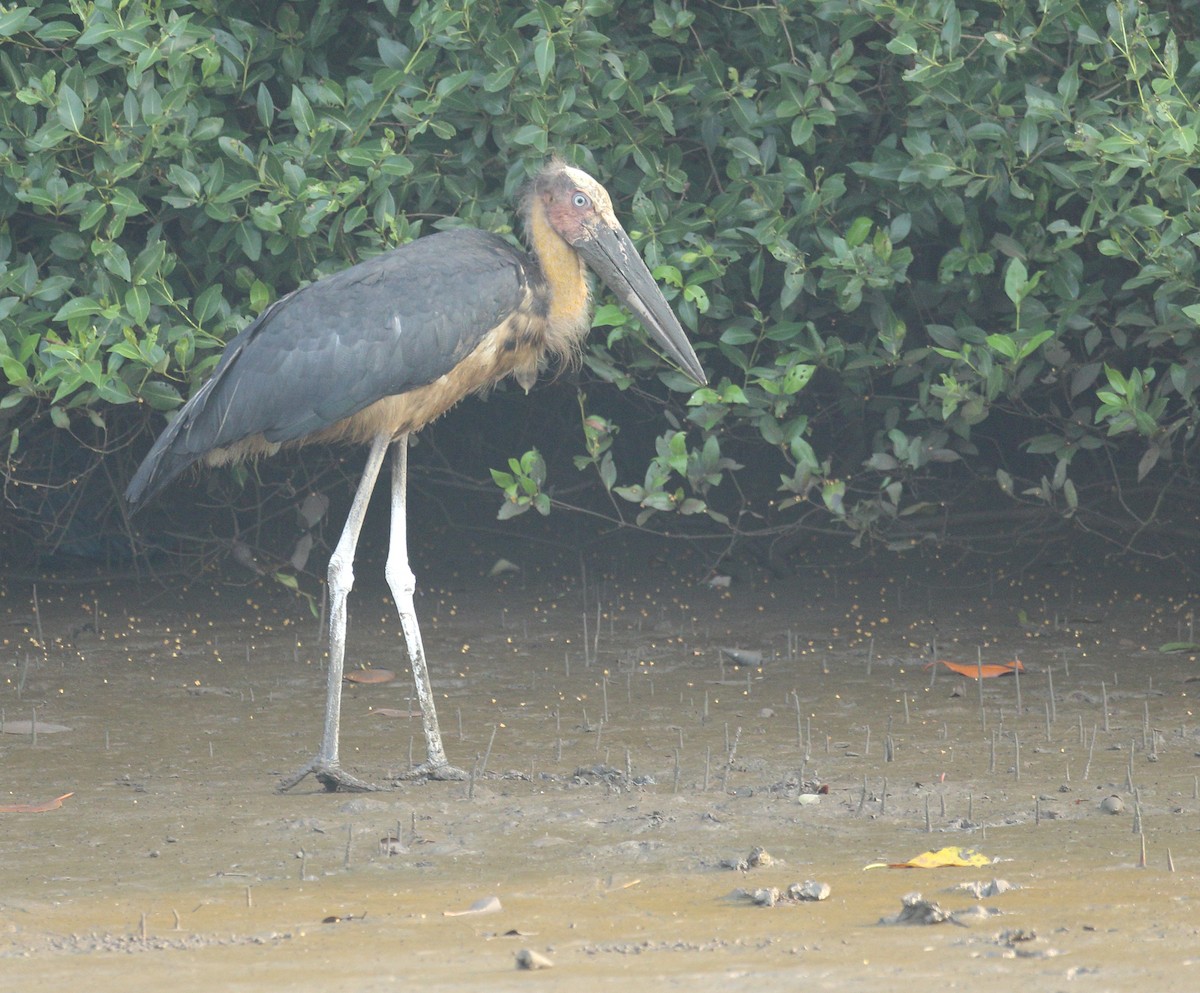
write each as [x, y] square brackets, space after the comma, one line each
[177, 862]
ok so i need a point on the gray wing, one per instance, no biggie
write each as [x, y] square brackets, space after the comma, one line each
[330, 349]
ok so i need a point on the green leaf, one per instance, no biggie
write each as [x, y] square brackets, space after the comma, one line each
[286, 579]
[543, 57]
[1003, 344]
[1027, 136]
[530, 134]
[112, 256]
[397, 166]
[78, 307]
[1118, 382]
[608, 471]
[160, 396]
[137, 304]
[451, 84]
[17, 19]
[260, 296]
[858, 231]
[207, 304]
[187, 181]
[1016, 277]
[70, 109]
[1032, 344]
[265, 106]
[794, 380]
[509, 509]
[1071, 495]
[903, 45]
[236, 149]
[301, 112]
[1146, 215]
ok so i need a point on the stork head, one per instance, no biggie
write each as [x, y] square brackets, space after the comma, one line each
[580, 212]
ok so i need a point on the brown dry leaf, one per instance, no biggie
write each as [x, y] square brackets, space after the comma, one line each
[370, 677]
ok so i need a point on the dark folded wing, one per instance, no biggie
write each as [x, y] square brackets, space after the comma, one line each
[325, 352]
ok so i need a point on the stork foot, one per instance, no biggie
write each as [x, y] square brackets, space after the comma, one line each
[335, 779]
[437, 771]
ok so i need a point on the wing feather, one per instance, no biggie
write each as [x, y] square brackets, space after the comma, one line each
[323, 353]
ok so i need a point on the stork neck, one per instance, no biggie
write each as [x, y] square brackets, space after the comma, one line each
[563, 270]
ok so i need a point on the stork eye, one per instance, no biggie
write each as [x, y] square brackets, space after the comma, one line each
[581, 200]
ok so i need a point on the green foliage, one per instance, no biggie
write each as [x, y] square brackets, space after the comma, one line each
[523, 485]
[916, 244]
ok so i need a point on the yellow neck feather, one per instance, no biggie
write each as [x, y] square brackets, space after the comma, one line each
[563, 269]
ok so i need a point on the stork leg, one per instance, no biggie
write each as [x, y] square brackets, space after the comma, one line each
[326, 766]
[403, 584]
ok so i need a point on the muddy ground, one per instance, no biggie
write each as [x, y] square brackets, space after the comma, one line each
[611, 792]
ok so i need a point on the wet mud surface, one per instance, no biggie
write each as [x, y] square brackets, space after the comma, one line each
[612, 793]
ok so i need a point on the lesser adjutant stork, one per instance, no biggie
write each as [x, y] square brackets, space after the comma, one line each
[377, 351]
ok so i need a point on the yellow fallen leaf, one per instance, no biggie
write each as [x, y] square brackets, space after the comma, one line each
[943, 857]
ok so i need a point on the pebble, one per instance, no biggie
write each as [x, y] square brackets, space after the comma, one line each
[917, 910]
[810, 889]
[759, 858]
[527, 958]
[981, 890]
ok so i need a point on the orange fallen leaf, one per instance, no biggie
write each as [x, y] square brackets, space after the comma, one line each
[370, 676]
[990, 670]
[34, 808]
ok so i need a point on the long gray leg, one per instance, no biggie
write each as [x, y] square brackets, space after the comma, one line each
[326, 766]
[403, 584]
